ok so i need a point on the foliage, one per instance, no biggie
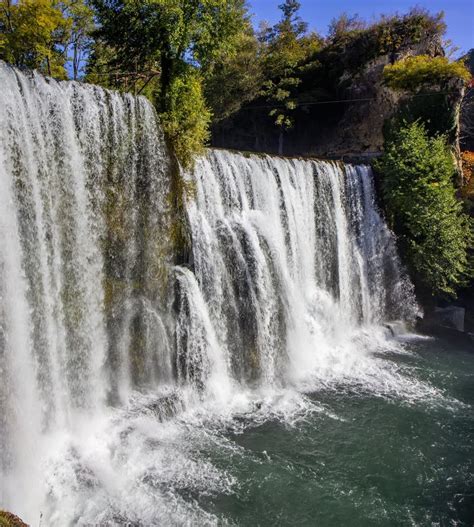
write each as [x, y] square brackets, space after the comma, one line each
[161, 42]
[435, 234]
[396, 32]
[187, 119]
[433, 109]
[7, 519]
[166, 35]
[413, 73]
[286, 47]
[467, 190]
[468, 165]
[236, 76]
[33, 34]
[344, 25]
[81, 19]
[352, 44]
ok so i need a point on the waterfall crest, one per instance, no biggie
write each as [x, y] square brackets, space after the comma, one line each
[291, 265]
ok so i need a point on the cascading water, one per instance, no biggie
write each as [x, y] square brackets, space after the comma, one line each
[291, 260]
[83, 185]
[113, 361]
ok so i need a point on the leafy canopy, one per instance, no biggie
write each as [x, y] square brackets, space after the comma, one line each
[33, 34]
[286, 47]
[168, 46]
[417, 182]
[169, 35]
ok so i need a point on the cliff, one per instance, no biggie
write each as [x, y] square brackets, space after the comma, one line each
[341, 103]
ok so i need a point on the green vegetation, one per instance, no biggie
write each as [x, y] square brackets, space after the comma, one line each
[414, 73]
[434, 233]
[200, 61]
[286, 46]
[46, 34]
[352, 43]
[186, 121]
[236, 76]
[168, 46]
[33, 34]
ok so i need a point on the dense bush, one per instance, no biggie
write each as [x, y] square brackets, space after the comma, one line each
[435, 234]
[186, 122]
[352, 43]
[412, 73]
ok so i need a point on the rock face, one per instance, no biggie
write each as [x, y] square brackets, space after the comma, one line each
[7, 519]
[348, 127]
[450, 317]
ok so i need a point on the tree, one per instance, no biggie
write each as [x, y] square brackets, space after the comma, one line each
[81, 17]
[166, 35]
[286, 47]
[344, 24]
[173, 42]
[434, 233]
[33, 34]
[236, 76]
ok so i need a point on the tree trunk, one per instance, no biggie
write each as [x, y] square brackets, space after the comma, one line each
[75, 63]
[167, 70]
[280, 143]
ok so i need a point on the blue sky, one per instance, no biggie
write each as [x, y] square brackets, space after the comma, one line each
[459, 14]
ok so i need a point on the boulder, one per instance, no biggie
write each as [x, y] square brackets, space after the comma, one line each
[449, 317]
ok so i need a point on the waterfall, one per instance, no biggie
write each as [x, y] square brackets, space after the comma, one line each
[291, 265]
[83, 185]
[291, 259]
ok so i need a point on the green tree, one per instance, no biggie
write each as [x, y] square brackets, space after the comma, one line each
[236, 76]
[33, 34]
[287, 46]
[175, 42]
[81, 19]
[434, 233]
[166, 35]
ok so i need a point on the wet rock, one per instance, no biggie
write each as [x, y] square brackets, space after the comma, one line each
[450, 317]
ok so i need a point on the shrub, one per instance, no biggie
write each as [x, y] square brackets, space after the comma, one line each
[187, 122]
[412, 73]
[434, 233]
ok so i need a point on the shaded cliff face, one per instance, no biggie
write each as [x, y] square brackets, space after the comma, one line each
[345, 122]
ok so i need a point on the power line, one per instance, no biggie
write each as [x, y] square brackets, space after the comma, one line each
[338, 101]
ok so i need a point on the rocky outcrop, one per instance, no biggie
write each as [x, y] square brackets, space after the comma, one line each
[7, 519]
[347, 123]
